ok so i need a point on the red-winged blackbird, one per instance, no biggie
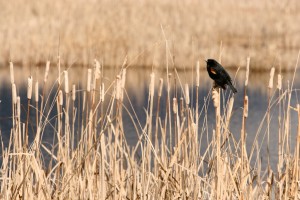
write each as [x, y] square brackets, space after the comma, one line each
[219, 75]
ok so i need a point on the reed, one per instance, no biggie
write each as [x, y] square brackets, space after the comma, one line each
[165, 163]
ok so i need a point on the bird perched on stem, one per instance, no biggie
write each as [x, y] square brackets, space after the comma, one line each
[219, 75]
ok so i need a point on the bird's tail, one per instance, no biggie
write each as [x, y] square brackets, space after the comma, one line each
[232, 88]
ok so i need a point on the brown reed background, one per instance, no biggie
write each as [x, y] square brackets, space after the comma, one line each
[267, 31]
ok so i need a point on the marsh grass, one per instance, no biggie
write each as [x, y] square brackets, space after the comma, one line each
[267, 31]
[91, 159]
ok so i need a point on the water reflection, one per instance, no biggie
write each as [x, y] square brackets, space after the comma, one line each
[137, 84]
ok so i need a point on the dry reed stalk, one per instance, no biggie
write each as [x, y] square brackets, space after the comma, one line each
[44, 86]
[168, 109]
[36, 95]
[295, 173]
[156, 144]
[216, 101]
[14, 101]
[244, 159]
[268, 114]
[197, 100]
[29, 94]
[280, 135]
[150, 116]
[73, 116]
[228, 116]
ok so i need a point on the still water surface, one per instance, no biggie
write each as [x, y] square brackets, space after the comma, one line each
[137, 81]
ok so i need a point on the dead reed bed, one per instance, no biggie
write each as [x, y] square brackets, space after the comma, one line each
[267, 31]
[91, 159]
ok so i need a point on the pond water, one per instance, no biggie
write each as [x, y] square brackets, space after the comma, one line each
[137, 82]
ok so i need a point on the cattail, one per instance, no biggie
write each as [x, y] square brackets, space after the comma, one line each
[198, 74]
[118, 89]
[14, 93]
[88, 88]
[175, 105]
[36, 92]
[11, 67]
[74, 92]
[29, 87]
[97, 69]
[60, 98]
[18, 107]
[151, 87]
[102, 92]
[161, 81]
[215, 97]
[66, 82]
[271, 78]
[279, 82]
[47, 71]
[247, 71]
[187, 94]
[246, 106]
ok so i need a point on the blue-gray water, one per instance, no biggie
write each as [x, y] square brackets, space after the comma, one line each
[137, 82]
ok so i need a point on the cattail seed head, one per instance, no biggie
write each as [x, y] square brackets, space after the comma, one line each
[47, 71]
[14, 93]
[11, 67]
[175, 105]
[66, 82]
[18, 107]
[161, 81]
[187, 94]
[88, 87]
[216, 97]
[29, 87]
[279, 82]
[198, 73]
[151, 86]
[102, 92]
[36, 91]
[97, 69]
[247, 71]
[73, 92]
[60, 98]
[271, 78]
[246, 106]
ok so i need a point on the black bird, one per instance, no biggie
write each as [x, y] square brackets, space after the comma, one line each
[219, 75]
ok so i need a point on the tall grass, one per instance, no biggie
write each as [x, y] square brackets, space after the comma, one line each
[91, 159]
[267, 31]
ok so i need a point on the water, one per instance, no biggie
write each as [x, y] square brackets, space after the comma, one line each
[137, 81]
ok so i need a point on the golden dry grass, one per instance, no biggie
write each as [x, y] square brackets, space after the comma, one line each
[165, 163]
[267, 31]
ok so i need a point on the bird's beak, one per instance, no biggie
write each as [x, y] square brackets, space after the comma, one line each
[205, 60]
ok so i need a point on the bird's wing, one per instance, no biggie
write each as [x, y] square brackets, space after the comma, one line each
[224, 74]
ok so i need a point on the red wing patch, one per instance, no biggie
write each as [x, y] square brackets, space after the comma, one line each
[213, 71]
